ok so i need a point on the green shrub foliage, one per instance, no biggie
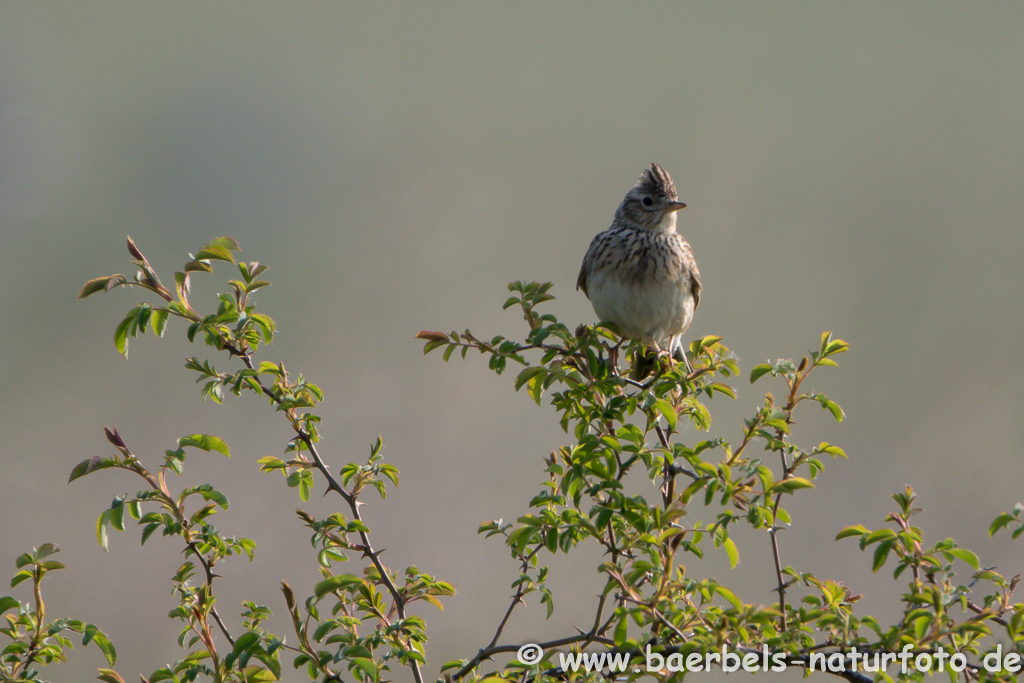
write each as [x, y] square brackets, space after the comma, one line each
[658, 613]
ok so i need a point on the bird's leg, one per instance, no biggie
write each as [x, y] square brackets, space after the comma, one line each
[613, 356]
[666, 354]
[676, 345]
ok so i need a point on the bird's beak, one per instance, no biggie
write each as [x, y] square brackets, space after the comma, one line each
[674, 206]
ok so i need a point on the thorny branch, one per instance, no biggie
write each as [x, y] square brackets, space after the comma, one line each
[350, 499]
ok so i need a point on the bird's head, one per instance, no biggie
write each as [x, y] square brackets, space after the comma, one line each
[651, 203]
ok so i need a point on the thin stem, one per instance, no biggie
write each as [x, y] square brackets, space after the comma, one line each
[658, 616]
[558, 642]
[353, 504]
[159, 485]
[980, 610]
[787, 473]
[517, 599]
[37, 637]
[773, 534]
[210, 576]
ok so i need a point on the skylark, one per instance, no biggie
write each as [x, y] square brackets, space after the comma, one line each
[640, 273]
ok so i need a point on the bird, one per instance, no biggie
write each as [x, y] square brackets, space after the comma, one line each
[640, 274]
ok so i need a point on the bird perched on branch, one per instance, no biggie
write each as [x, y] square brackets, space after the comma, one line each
[640, 273]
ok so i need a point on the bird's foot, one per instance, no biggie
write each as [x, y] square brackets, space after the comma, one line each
[613, 356]
[679, 354]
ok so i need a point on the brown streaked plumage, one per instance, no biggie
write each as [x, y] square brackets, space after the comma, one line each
[640, 273]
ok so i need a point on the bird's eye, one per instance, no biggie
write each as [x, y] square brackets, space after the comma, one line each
[648, 201]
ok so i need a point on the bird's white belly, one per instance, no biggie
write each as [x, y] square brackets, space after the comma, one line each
[653, 312]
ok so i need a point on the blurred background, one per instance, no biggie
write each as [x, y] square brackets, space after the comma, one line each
[852, 167]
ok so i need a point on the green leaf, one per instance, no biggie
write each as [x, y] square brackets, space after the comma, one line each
[148, 531]
[880, 535]
[101, 529]
[792, 484]
[205, 442]
[335, 582]
[142, 317]
[159, 321]
[921, 625]
[159, 675]
[431, 345]
[266, 324]
[93, 634]
[116, 515]
[197, 266]
[91, 465]
[967, 556]
[270, 463]
[669, 413]
[704, 342]
[881, 553]
[528, 374]
[855, 530]
[367, 666]
[213, 252]
[7, 602]
[256, 284]
[732, 552]
[226, 243]
[836, 346]
[1000, 522]
[23, 575]
[722, 388]
[208, 493]
[730, 596]
[100, 284]
[621, 630]
[121, 334]
[551, 540]
[832, 407]
[699, 414]
[759, 371]
[181, 285]
[831, 449]
[246, 640]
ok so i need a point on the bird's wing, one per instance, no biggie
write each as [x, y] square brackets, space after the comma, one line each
[695, 285]
[581, 281]
[592, 252]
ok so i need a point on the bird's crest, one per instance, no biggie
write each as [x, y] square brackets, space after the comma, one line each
[657, 182]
